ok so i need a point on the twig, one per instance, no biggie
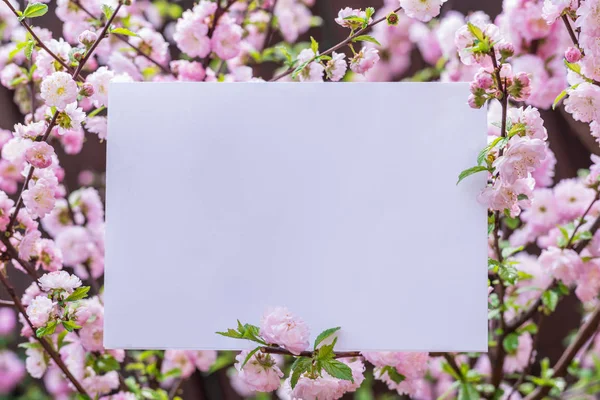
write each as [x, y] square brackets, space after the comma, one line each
[175, 388]
[270, 29]
[337, 46]
[47, 347]
[7, 303]
[39, 41]
[280, 350]
[218, 14]
[452, 362]
[561, 367]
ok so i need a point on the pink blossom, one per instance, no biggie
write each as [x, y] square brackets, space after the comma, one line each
[203, 359]
[465, 41]
[99, 81]
[98, 385]
[321, 388]
[349, 12]
[572, 198]
[188, 70]
[573, 54]
[502, 197]
[58, 90]
[364, 60]
[50, 256]
[423, 10]
[226, 40]
[59, 280]
[294, 19]
[588, 17]
[538, 282]
[543, 213]
[584, 102]
[177, 359]
[260, 373]
[544, 172]
[97, 125]
[87, 38]
[153, 43]
[518, 360]
[120, 396]
[588, 284]
[12, 371]
[278, 326]
[74, 243]
[563, 264]
[29, 244]
[35, 362]
[520, 158]
[553, 9]
[313, 72]
[5, 205]
[39, 154]
[39, 197]
[191, 30]
[39, 310]
[92, 335]
[8, 321]
[336, 67]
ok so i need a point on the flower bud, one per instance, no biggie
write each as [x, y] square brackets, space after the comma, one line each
[573, 54]
[520, 87]
[476, 101]
[506, 50]
[392, 19]
[87, 38]
[86, 90]
[484, 80]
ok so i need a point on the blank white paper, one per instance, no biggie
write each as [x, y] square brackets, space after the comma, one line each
[338, 201]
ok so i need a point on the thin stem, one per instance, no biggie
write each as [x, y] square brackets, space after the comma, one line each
[175, 388]
[89, 53]
[280, 350]
[452, 363]
[7, 303]
[39, 41]
[571, 32]
[582, 219]
[47, 347]
[218, 14]
[561, 367]
[337, 46]
[270, 29]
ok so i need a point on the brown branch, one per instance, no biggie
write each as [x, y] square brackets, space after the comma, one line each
[561, 367]
[270, 29]
[337, 46]
[280, 350]
[452, 362]
[571, 32]
[39, 41]
[47, 347]
[218, 14]
[7, 303]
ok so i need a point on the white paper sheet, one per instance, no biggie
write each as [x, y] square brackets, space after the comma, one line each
[338, 201]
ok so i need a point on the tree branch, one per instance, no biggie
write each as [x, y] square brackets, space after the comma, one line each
[337, 46]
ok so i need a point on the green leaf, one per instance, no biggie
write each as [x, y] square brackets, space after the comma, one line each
[107, 11]
[70, 325]
[470, 171]
[29, 49]
[511, 222]
[338, 370]
[106, 363]
[366, 38]
[79, 293]
[299, 68]
[324, 335]
[522, 197]
[573, 67]
[585, 235]
[46, 330]
[96, 111]
[60, 341]
[509, 251]
[550, 300]
[508, 273]
[123, 31]
[511, 343]
[173, 373]
[249, 356]
[34, 10]
[558, 98]
[476, 31]
[499, 141]
[354, 18]
[314, 45]
[301, 365]
[393, 374]
[369, 11]
[232, 333]
[326, 351]
[467, 391]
